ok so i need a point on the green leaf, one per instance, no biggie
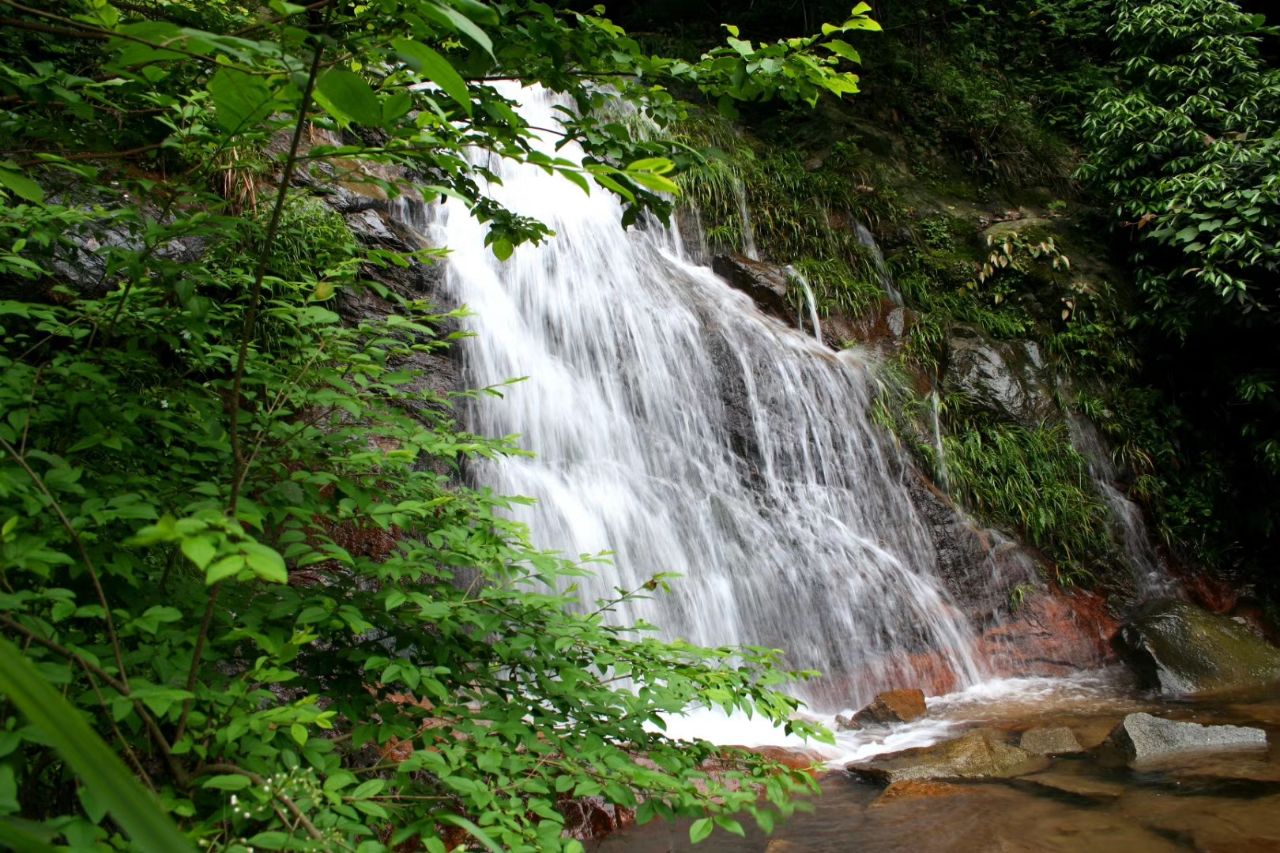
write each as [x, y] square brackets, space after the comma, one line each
[24, 836]
[656, 165]
[700, 829]
[367, 789]
[435, 68]
[227, 782]
[730, 825]
[656, 183]
[502, 248]
[20, 185]
[265, 562]
[843, 49]
[456, 20]
[129, 804]
[200, 550]
[477, 11]
[240, 100]
[347, 97]
[224, 568]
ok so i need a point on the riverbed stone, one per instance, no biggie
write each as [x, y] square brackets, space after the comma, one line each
[1058, 740]
[1143, 737]
[982, 753]
[892, 706]
[913, 789]
[1180, 649]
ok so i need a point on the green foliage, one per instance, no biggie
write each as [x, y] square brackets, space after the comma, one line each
[1033, 481]
[107, 781]
[801, 213]
[1189, 148]
[1186, 148]
[234, 536]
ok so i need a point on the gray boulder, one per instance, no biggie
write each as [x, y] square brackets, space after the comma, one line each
[1180, 649]
[1058, 740]
[1002, 377]
[1143, 737]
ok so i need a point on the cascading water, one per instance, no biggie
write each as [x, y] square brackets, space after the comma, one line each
[1151, 577]
[811, 302]
[868, 241]
[744, 221]
[680, 428]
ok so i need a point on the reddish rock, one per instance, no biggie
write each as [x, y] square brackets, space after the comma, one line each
[916, 788]
[1053, 633]
[893, 706]
[794, 758]
[1212, 594]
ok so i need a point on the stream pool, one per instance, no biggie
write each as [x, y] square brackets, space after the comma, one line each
[1095, 801]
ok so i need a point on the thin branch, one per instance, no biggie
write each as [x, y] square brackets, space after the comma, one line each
[157, 736]
[242, 357]
[279, 795]
[84, 554]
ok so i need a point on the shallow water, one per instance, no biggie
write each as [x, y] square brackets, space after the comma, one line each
[1210, 801]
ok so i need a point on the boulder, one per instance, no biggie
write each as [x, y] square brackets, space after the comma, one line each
[979, 754]
[1143, 737]
[1180, 649]
[767, 284]
[1058, 740]
[1002, 377]
[845, 723]
[892, 706]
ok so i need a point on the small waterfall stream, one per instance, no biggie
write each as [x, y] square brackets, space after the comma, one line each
[1151, 576]
[681, 429]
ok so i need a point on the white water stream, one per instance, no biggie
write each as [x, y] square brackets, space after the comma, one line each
[683, 430]
[1151, 576]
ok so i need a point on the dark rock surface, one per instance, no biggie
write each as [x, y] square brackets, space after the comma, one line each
[767, 284]
[1143, 737]
[1180, 649]
[1005, 378]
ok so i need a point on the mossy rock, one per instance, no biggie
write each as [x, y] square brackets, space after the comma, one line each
[1180, 649]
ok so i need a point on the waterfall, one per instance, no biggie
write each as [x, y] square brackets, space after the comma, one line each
[868, 242]
[811, 302]
[939, 449]
[744, 220]
[1151, 576]
[678, 427]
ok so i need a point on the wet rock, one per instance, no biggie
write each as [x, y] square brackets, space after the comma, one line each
[766, 284]
[912, 789]
[1051, 633]
[1003, 377]
[892, 706]
[1181, 649]
[1077, 782]
[1143, 737]
[846, 724]
[1058, 740]
[980, 754]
